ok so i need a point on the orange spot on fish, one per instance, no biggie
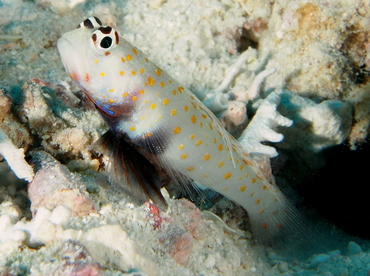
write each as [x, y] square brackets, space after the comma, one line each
[158, 71]
[206, 157]
[247, 162]
[74, 76]
[151, 81]
[177, 130]
[227, 175]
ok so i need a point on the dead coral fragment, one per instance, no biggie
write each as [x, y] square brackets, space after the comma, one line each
[15, 158]
[62, 190]
[262, 126]
[62, 130]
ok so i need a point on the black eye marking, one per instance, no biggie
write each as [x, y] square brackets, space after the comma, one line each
[105, 30]
[106, 42]
[90, 23]
[117, 37]
[98, 21]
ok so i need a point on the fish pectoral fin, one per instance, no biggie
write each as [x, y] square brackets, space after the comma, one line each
[131, 170]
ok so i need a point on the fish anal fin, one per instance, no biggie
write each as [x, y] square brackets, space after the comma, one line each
[131, 169]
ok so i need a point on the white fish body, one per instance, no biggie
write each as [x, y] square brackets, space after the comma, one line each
[157, 115]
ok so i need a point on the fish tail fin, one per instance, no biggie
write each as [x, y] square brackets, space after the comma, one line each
[129, 167]
[279, 223]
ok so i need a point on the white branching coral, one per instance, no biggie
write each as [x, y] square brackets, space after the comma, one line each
[218, 100]
[15, 158]
[316, 125]
[232, 109]
[262, 126]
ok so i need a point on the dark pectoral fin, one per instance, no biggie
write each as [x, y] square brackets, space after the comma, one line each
[133, 171]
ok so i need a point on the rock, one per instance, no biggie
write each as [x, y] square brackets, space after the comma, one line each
[210, 261]
[5, 104]
[59, 6]
[317, 126]
[334, 253]
[80, 269]
[318, 259]
[353, 248]
[73, 251]
[176, 241]
[62, 130]
[111, 244]
[77, 261]
[54, 185]
[193, 222]
[181, 247]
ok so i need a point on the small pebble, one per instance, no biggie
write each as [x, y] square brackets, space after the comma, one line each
[334, 253]
[5, 223]
[60, 215]
[353, 248]
[12, 190]
[283, 267]
[318, 259]
[210, 261]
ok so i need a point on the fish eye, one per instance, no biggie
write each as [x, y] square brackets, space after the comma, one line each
[90, 23]
[104, 40]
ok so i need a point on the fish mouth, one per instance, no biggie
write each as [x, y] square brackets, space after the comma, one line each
[69, 55]
[65, 50]
[63, 45]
